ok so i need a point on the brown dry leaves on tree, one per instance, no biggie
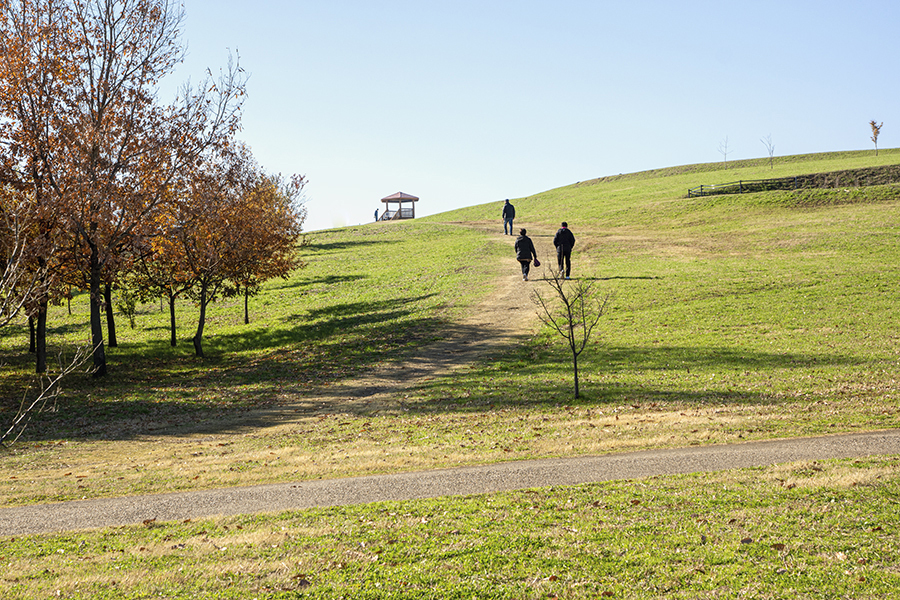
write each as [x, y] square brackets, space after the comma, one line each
[86, 140]
[876, 129]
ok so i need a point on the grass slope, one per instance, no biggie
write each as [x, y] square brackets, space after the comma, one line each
[733, 317]
[801, 531]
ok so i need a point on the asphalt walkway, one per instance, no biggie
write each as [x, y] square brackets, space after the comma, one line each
[105, 512]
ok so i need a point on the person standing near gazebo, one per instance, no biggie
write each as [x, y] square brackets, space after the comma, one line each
[509, 213]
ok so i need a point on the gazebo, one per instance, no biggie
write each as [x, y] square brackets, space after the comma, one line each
[401, 212]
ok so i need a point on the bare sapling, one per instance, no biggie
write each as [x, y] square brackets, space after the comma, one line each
[724, 151]
[770, 148]
[572, 311]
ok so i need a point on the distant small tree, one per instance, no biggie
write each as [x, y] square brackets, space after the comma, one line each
[770, 147]
[723, 150]
[572, 312]
[127, 303]
[876, 129]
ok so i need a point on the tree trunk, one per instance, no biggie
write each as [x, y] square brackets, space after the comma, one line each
[173, 340]
[573, 347]
[110, 317]
[198, 337]
[575, 370]
[246, 310]
[99, 353]
[31, 335]
[41, 338]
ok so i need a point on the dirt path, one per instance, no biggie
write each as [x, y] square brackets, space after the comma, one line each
[106, 512]
[500, 319]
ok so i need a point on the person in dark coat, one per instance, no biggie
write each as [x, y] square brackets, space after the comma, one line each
[524, 251]
[564, 241]
[509, 213]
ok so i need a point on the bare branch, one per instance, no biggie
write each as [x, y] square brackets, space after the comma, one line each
[770, 147]
[572, 313]
[50, 389]
[723, 150]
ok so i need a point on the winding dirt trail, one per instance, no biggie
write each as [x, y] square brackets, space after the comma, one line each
[503, 317]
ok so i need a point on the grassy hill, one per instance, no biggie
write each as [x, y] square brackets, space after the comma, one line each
[770, 299]
[732, 318]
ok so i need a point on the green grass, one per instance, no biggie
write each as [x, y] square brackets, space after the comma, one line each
[762, 305]
[732, 318]
[808, 530]
[366, 295]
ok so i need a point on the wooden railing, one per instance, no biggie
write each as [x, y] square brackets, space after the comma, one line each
[834, 179]
[392, 215]
[742, 187]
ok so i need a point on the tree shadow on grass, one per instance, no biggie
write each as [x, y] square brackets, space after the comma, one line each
[319, 281]
[153, 386]
[20, 328]
[492, 385]
[545, 277]
[313, 365]
[506, 381]
[320, 249]
[685, 357]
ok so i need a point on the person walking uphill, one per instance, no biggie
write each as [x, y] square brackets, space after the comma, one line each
[509, 213]
[564, 241]
[524, 251]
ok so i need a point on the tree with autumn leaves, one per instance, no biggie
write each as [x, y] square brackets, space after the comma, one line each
[271, 216]
[97, 165]
[233, 228]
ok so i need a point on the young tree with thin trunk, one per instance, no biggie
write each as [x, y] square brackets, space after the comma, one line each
[770, 147]
[208, 228]
[572, 312]
[159, 271]
[272, 222]
[723, 150]
[876, 129]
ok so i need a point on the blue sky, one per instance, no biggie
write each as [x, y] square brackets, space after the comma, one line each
[465, 102]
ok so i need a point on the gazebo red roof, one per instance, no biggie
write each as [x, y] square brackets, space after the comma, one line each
[398, 197]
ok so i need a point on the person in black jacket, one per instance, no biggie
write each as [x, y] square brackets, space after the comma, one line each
[524, 251]
[509, 213]
[564, 242]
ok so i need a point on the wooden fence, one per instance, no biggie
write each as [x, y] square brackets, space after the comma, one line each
[834, 179]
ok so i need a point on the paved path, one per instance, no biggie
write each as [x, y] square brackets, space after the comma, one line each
[106, 512]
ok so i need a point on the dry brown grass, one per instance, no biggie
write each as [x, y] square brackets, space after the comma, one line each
[341, 445]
